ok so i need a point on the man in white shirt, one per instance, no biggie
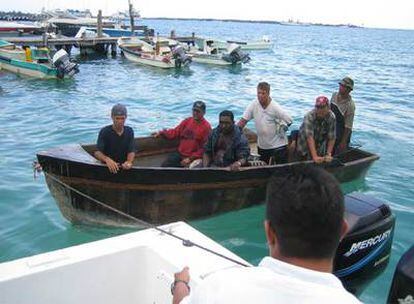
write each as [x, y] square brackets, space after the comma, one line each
[271, 123]
[304, 224]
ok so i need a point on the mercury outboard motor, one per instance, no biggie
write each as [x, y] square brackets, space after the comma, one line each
[236, 55]
[63, 64]
[181, 58]
[364, 252]
[402, 288]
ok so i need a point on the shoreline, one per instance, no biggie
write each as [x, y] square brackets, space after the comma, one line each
[255, 21]
[22, 16]
[27, 16]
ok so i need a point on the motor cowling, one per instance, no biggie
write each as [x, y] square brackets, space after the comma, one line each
[402, 288]
[236, 55]
[180, 57]
[63, 64]
[363, 254]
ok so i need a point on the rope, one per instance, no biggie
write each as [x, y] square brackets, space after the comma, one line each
[185, 242]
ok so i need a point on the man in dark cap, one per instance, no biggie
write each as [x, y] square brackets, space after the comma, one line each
[192, 133]
[317, 135]
[115, 146]
[344, 109]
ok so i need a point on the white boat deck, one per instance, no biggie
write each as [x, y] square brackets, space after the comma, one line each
[133, 268]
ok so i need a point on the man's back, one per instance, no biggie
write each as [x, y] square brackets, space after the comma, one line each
[272, 281]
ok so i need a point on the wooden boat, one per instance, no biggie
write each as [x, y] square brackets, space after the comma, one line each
[36, 63]
[161, 195]
[160, 55]
[139, 267]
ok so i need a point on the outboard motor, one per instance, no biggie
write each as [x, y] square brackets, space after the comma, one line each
[402, 288]
[181, 58]
[236, 55]
[63, 64]
[364, 252]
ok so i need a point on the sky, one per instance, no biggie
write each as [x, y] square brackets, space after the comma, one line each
[368, 13]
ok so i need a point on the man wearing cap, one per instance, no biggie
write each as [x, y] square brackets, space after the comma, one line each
[192, 133]
[115, 146]
[317, 135]
[271, 123]
[344, 109]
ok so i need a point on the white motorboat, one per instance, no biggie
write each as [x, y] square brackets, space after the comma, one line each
[160, 55]
[9, 28]
[133, 268]
[204, 51]
[262, 44]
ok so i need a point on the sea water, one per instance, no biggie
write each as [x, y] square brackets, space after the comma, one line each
[306, 61]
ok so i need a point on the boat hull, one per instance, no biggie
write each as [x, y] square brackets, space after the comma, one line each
[161, 195]
[252, 46]
[150, 60]
[209, 59]
[28, 69]
[246, 46]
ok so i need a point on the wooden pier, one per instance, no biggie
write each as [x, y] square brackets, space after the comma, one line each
[66, 41]
[99, 44]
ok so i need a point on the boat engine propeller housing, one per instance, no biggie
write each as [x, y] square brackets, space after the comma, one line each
[236, 55]
[180, 57]
[63, 64]
[364, 253]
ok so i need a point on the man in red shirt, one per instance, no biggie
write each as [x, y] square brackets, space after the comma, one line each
[193, 134]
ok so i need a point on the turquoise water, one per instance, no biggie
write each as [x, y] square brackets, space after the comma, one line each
[305, 62]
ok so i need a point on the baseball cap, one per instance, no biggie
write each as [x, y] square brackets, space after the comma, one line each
[119, 110]
[200, 106]
[321, 101]
[347, 82]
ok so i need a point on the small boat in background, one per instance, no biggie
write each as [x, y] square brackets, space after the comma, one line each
[160, 55]
[36, 62]
[112, 32]
[204, 51]
[8, 28]
[263, 44]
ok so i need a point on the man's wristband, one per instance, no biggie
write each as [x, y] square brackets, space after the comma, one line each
[173, 284]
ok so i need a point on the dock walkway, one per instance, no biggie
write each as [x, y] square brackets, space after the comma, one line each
[66, 41]
[99, 44]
